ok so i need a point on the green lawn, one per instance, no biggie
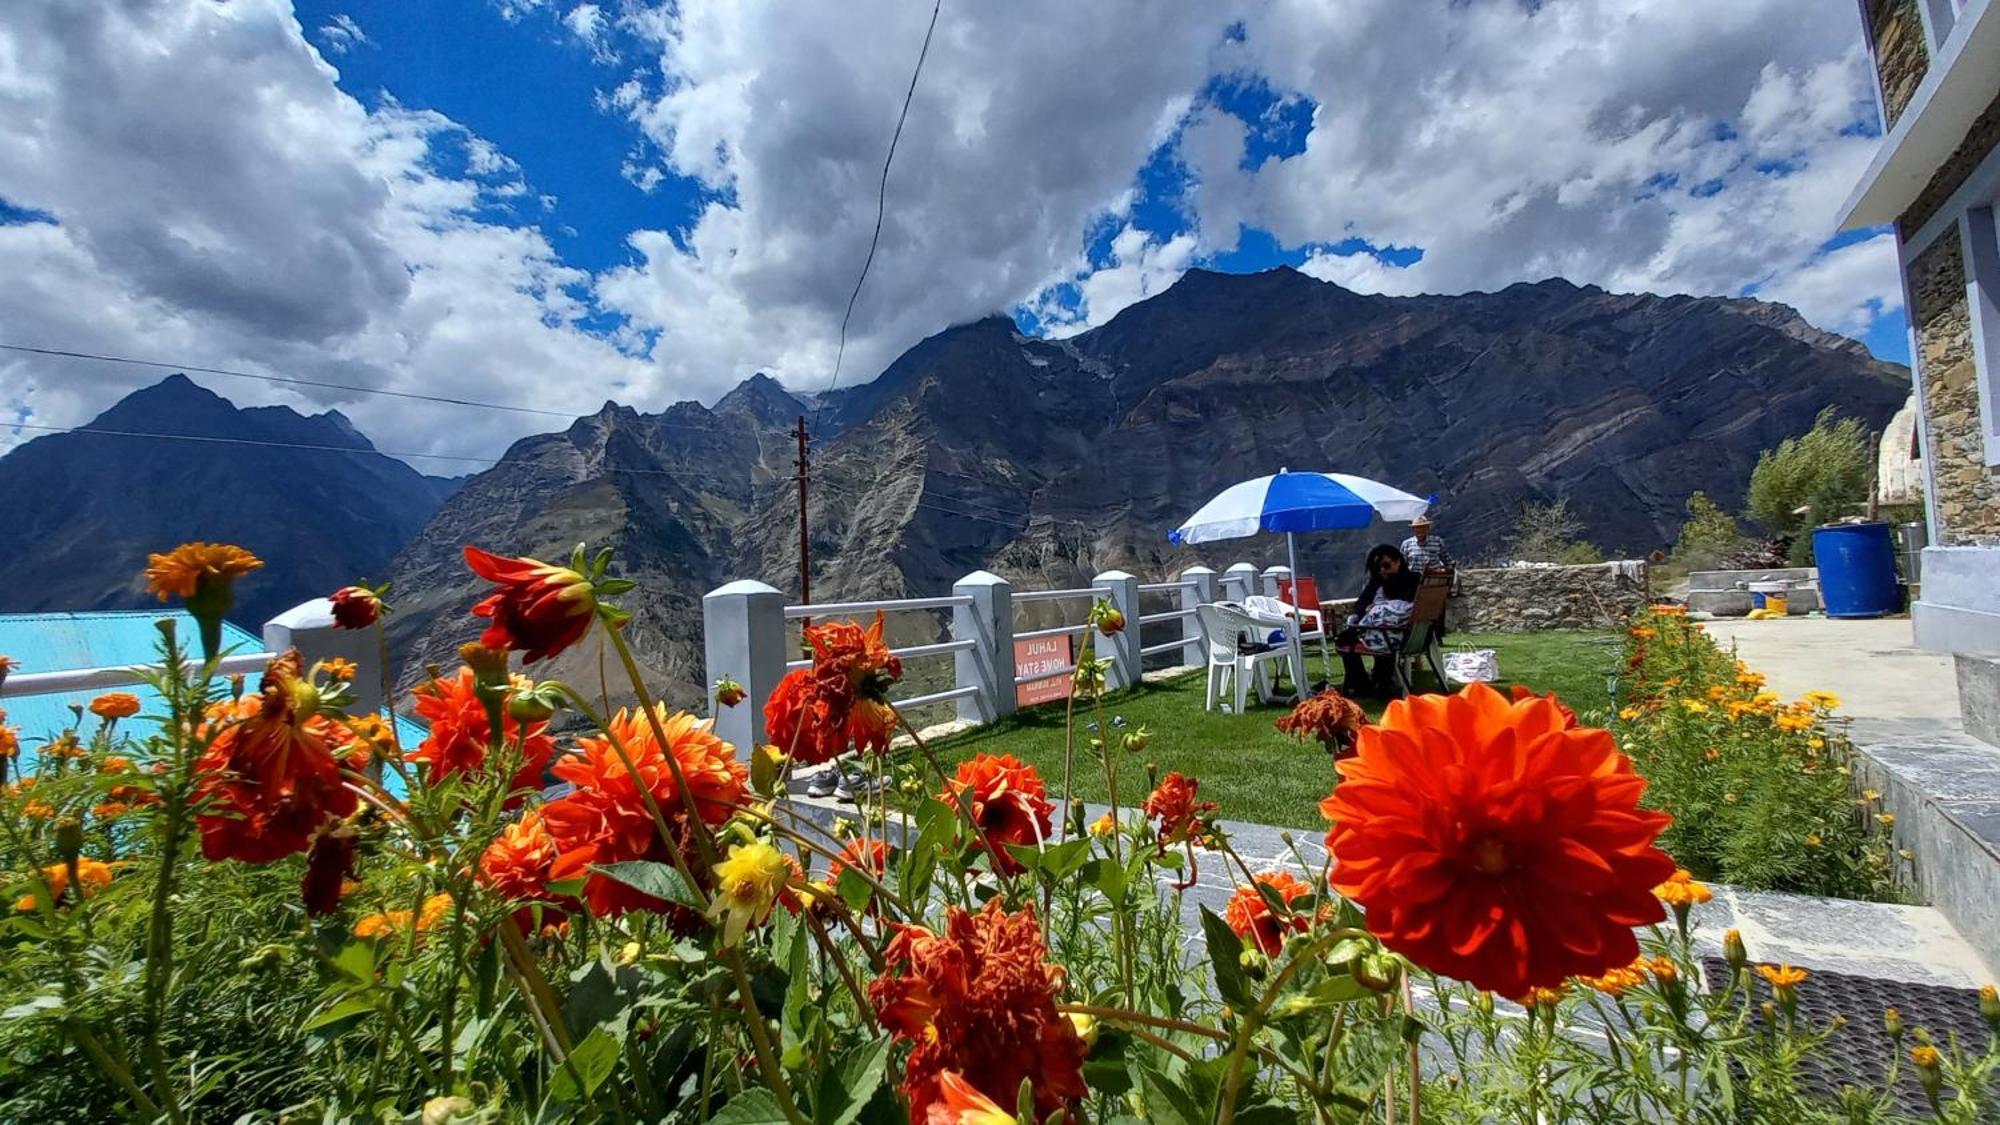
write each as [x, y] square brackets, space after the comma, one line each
[1242, 762]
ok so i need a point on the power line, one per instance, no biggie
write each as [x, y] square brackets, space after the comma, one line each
[881, 206]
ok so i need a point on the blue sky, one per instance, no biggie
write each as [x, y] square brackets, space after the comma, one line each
[653, 201]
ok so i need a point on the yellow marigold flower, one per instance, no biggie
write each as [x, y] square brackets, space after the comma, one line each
[747, 885]
[1886, 819]
[1783, 978]
[1813, 840]
[114, 705]
[1694, 706]
[1643, 632]
[437, 910]
[1871, 795]
[1617, 982]
[1793, 723]
[1628, 713]
[1664, 970]
[1816, 743]
[1821, 700]
[179, 572]
[338, 668]
[1682, 890]
[1718, 693]
[381, 924]
[1925, 1056]
[1103, 826]
[1748, 678]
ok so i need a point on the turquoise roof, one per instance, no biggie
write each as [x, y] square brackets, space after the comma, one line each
[54, 642]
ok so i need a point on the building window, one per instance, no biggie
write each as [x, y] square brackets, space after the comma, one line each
[1981, 243]
[1939, 17]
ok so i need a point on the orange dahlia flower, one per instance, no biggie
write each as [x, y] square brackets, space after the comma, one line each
[1182, 818]
[871, 856]
[270, 777]
[516, 864]
[843, 698]
[979, 999]
[460, 734]
[1330, 717]
[1493, 842]
[356, 607]
[113, 705]
[538, 609]
[961, 1103]
[184, 571]
[1008, 800]
[605, 819]
[1249, 913]
[1519, 692]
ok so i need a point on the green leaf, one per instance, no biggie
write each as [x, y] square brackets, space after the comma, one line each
[1225, 954]
[592, 1000]
[850, 1085]
[345, 1010]
[591, 1062]
[755, 1106]
[1166, 1102]
[1064, 859]
[1105, 1071]
[1106, 876]
[356, 961]
[854, 889]
[657, 879]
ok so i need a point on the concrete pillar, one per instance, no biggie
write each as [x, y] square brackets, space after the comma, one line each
[989, 665]
[743, 638]
[1123, 648]
[309, 628]
[1239, 582]
[1272, 576]
[1201, 592]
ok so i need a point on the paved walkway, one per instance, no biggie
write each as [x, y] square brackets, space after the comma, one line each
[1873, 665]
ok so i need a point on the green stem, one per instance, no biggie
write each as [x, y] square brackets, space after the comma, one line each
[760, 1041]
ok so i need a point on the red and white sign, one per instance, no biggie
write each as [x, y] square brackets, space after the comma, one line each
[1047, 657]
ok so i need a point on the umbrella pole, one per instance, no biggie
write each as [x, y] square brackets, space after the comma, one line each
[1292, 633]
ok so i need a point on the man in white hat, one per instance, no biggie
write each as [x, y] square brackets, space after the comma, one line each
[1422, 550]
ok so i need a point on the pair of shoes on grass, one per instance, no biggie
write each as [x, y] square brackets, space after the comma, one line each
[842, 783]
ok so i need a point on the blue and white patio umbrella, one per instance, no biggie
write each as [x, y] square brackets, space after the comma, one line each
[1293, 502]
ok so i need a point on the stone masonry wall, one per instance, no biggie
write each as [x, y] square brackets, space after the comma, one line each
[1527, 599]
[1968, 491]
[1982, 138]
[1900, 55]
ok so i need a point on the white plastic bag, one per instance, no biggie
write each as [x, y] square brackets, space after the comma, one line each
[1472, 666]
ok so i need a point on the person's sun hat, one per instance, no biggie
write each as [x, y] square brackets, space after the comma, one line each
[1421, 521]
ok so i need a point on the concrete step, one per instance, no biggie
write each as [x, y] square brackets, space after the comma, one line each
[1736, 603]
[1728, 579]
[1979, 696]
[1943, 787]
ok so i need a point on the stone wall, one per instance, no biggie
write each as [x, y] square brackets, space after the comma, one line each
[1900, 55]
[1968, 491]
[1982, 138]
[1526, 599]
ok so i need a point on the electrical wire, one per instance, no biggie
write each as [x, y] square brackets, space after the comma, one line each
[881, 207]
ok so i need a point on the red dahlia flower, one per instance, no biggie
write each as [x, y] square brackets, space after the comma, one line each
[1009, 803]
[460, 734]
[1249, 913]
[355, 607]
[1493, 842]
[1519, 692]
[539, 609]
[605, 820]
[816, 713]
[979, 999]
[871, 856]
[1181, 816]
[270, 777]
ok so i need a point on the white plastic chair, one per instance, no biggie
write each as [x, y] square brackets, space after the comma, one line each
[1310, 623]
[1224, 625]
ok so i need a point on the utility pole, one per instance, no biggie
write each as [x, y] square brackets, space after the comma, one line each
[805, 540]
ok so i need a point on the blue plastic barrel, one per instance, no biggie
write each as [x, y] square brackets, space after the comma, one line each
[1857, 570]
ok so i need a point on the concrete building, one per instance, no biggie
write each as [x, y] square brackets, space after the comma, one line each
[1937, 180]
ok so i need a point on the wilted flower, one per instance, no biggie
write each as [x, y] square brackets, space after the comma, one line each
[1328, 716]
[270, 777]
[537, 609]
[728, 693]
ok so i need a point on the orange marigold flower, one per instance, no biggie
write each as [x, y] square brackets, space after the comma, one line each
[460, 734]
[10, 739]
[979, 999]
[1617, 982]
[1181, 816]
[115, 764]
[270, 778]
[961, 1103]
[538, 609]
[1682, 890]
[1009, 803]
[338, 668]
[1249, 913]
[1494, 842]
[183, 571]
[92, 876]
[1783, 978]
[604, 819]
[871, 856]
[356, 607]
[381, 924]
[114, 705]
[1330, 717]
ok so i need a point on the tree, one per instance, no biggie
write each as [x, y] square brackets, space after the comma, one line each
[1550, 533]
[1811, 479]
[1709, 536]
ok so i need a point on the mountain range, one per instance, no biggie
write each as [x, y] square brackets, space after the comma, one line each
[1046, 460]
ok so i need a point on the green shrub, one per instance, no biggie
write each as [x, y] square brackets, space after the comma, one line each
[1812, 479]
[1709, 536]
[1550, 533]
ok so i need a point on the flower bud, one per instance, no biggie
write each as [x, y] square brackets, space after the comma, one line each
[1892, 1023]
[69, 838]
[1733, 949]
[489, 665]
[1989, 1006]
[728, 693]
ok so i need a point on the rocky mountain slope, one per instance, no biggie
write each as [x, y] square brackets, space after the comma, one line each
[82, 510]
[1051, 460]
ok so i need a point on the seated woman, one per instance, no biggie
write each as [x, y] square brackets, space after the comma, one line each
[1381, 614]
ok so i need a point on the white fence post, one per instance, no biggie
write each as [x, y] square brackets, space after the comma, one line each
[1201, 592]
[743, 638]
[1239, 582]
[1272, 576]
[1122, 648]
[989, 665]
[309, 628]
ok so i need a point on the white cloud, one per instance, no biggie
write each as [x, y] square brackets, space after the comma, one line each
[292, 232]
[588, 23]
[341, 34]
